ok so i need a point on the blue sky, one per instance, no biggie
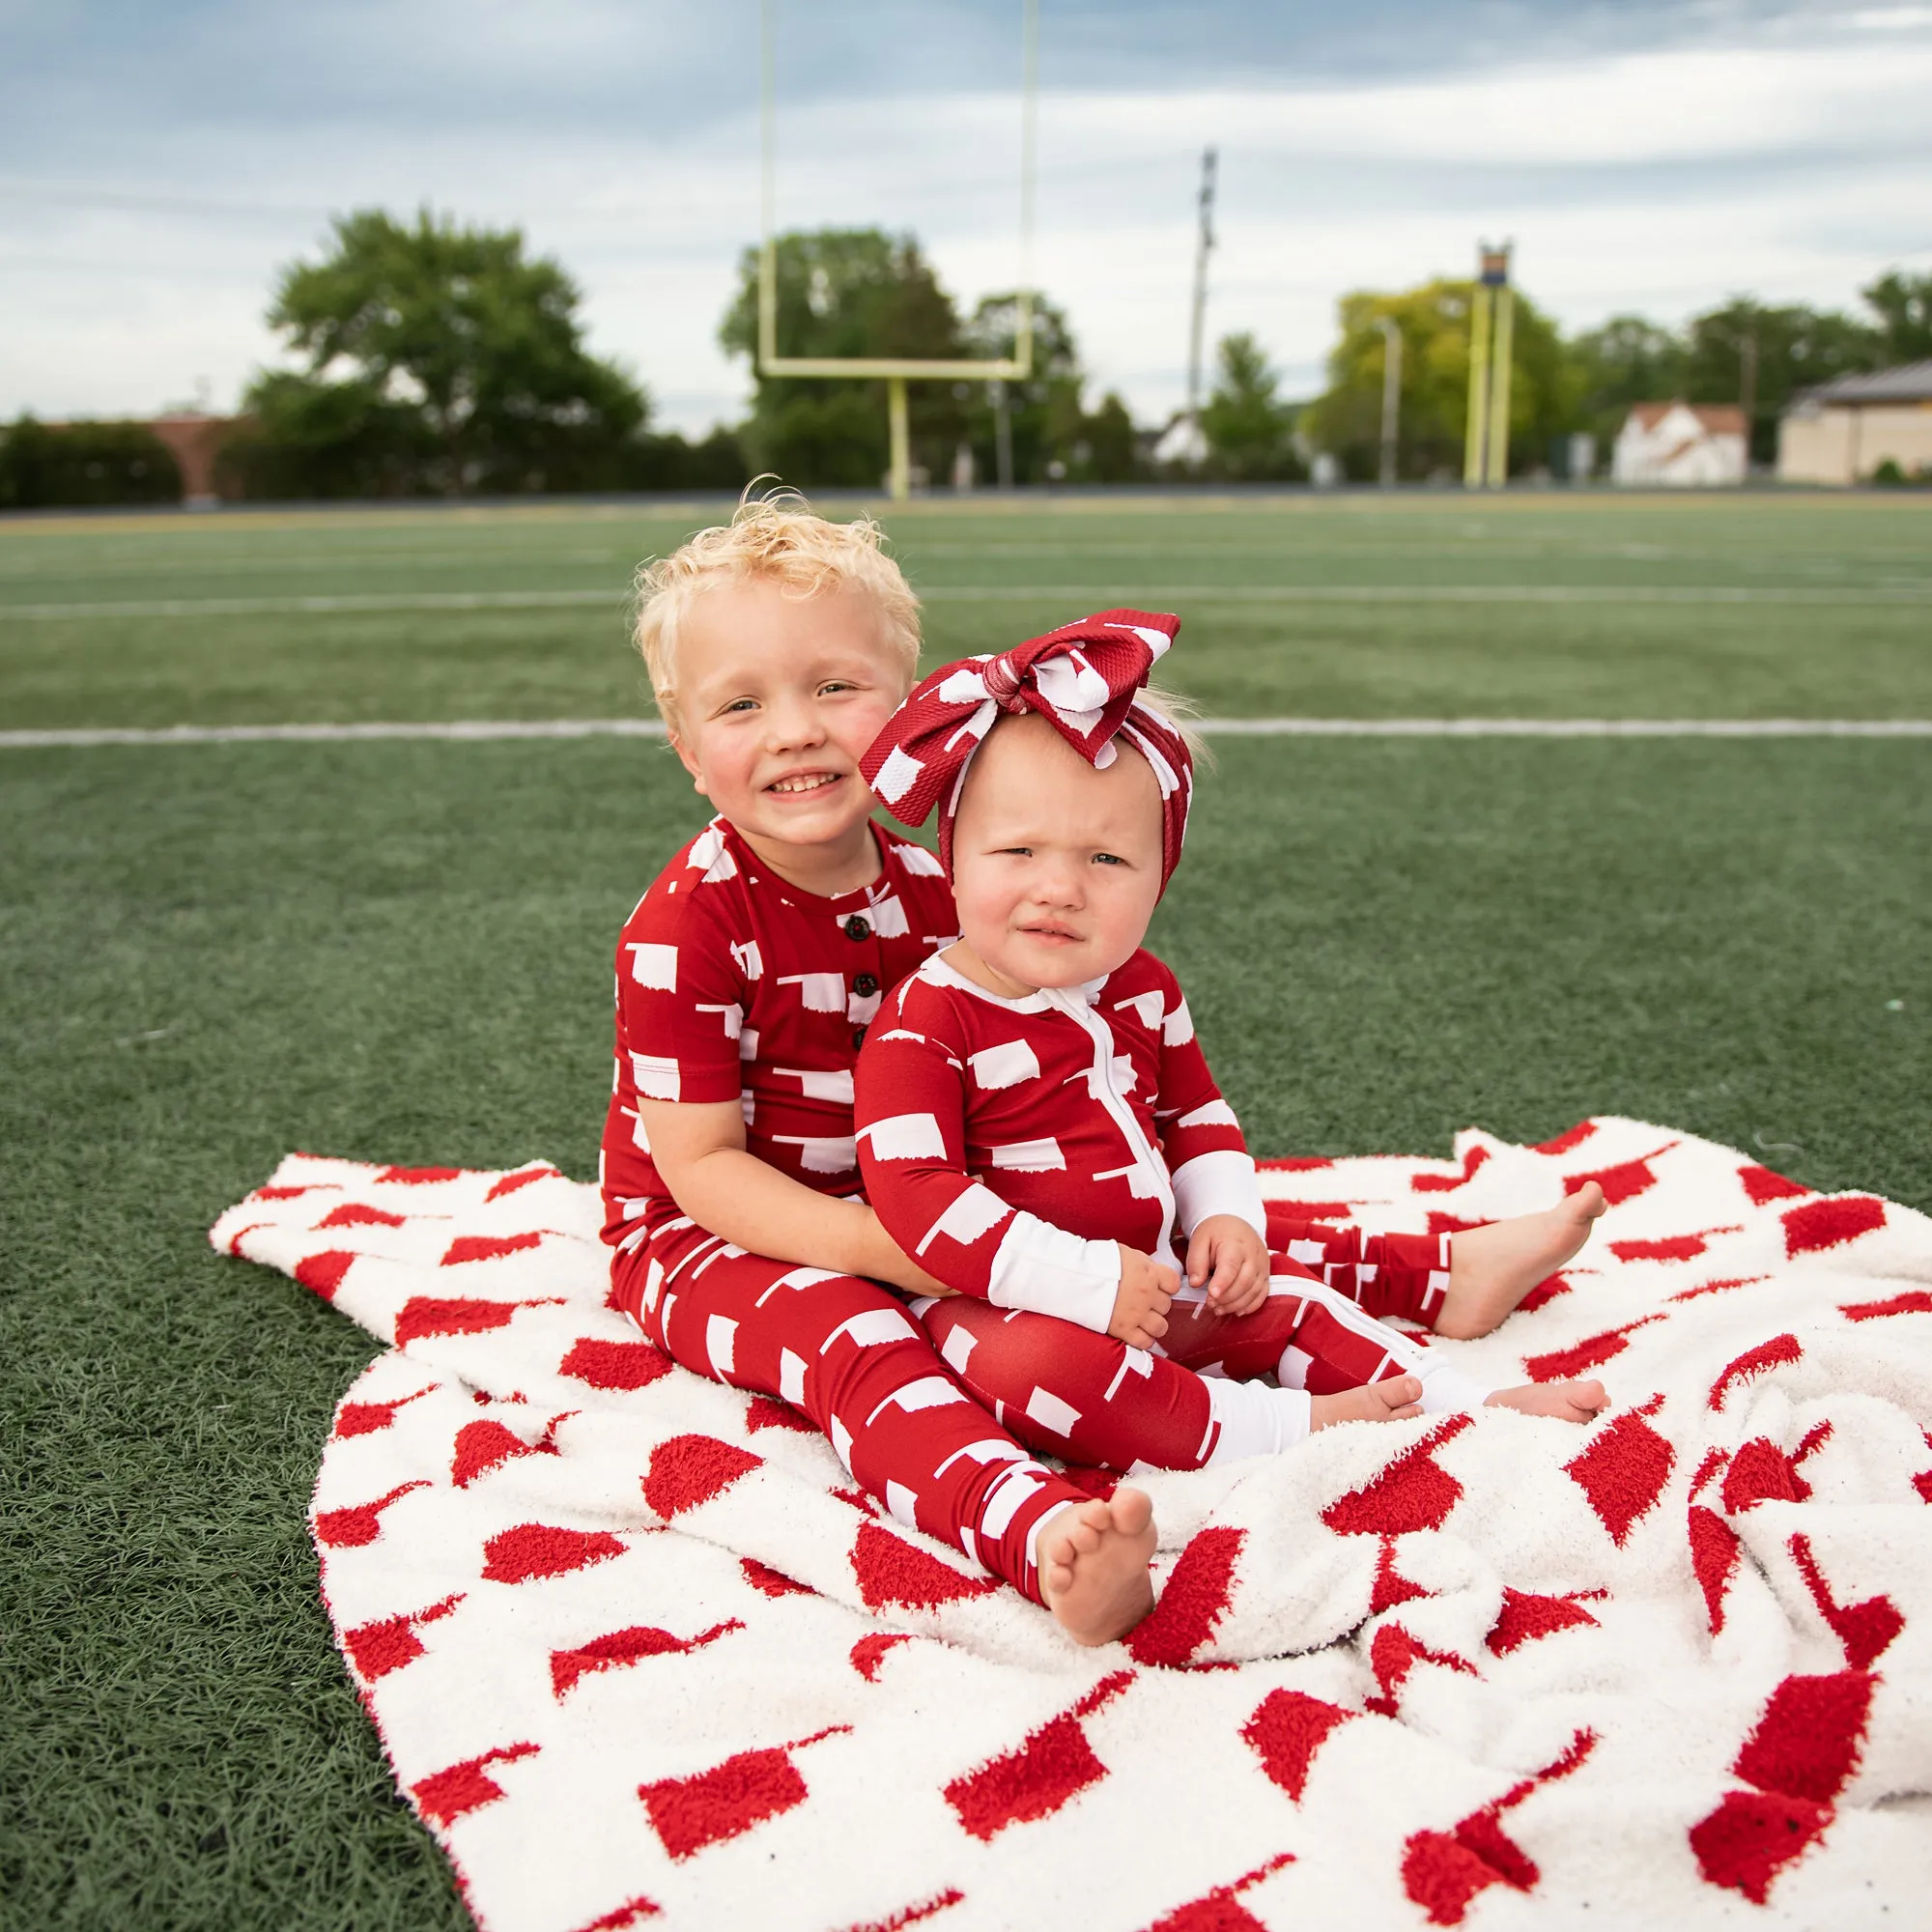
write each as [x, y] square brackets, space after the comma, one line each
[159, 161]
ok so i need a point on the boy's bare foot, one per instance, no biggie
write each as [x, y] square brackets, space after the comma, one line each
[1389, 1400]
[1568, 1402]
[1094, 1561]
[1491, 1268]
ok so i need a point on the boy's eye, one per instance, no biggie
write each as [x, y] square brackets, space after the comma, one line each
[742, 704]
[837, 684]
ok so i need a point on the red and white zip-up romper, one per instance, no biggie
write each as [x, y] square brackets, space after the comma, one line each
[1007, 1144]
[733, 985]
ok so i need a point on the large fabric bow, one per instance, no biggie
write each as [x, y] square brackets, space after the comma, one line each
[1084, 679]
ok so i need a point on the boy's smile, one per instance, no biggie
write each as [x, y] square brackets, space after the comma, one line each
[778, 698]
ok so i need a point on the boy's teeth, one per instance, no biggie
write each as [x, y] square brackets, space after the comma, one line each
[802, 785]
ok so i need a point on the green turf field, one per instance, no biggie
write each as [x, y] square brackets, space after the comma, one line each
[211, 953]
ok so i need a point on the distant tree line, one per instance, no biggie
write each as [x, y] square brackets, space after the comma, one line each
[431, 359]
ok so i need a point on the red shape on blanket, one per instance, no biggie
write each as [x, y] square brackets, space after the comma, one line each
[1295, 1163]
[1445, 1183]
[687, 1470]
[1529, 1614]
[362, 1522]
[1444, 1871]
[1781, 1351]
[725, 1802]
[1764, 1186]
[481, 1446]
[1054, 1764]
[1570, 1138]
[1827, 1224]
[891, 1571]
[446, 1796]
[1622, 1471]
[1800, 1756]
[870, 1652]
[772, 1582]
[1391, 1590]
[621, 1918]
[389, 1643]
[365, 1418]
[534, 1550]
[627, 1646]
[614, 1365]
[1561, 1363]
[291, 1193]
[912, 1915]
[419, 1177]
[764, 1412]
[1714, 1558]
[1393, 1654]
[1194, 1601]
[522, 1177]
[1624, 1182]
[1670, 1248]
[1866, 1629]
[356, 1214]
[1913, 1302]
[1544, 1290]
[1761, 1472]
[1221, 1909]
[486, 1248]
[1286, 1731]
[441, 1315]
[1414, 1492]
[322, 1274]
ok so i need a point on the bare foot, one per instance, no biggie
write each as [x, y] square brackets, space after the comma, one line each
[1094, 1561]
[1390, 1401]
[1568, 1402]
[1491, 1268]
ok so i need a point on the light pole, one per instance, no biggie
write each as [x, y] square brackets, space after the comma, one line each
[1391, 396]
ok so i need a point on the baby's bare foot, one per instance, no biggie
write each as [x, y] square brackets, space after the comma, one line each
[1094, 1561]
[1491, 1268]
[1388, 1401]
[1568, 1402]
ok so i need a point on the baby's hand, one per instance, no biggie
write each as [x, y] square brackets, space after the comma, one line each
[1142, 1300]
[1231, 1260]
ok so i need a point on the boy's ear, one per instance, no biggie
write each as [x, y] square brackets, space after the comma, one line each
[684, 758]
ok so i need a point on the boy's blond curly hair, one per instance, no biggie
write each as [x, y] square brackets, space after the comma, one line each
[776, 538]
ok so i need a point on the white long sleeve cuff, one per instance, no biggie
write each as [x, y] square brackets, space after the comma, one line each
[1048, 1271]
[1221, 1183]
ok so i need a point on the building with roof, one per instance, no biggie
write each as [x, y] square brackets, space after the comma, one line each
[1680, 446]
[1841, 431]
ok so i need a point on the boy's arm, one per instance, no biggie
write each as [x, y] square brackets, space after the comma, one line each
[910, 1115]
[700, 1152]
[1206, 1154]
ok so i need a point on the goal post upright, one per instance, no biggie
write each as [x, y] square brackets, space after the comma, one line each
[895, 371]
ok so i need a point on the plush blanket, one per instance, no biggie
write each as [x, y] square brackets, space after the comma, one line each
[638, 1652]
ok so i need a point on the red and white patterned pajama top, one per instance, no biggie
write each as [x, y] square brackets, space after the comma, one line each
[1007, 1144]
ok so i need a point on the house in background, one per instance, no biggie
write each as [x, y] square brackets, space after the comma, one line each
[1680, 446]
[1841, 431]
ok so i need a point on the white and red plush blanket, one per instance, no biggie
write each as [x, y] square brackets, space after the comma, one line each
[639, 1653]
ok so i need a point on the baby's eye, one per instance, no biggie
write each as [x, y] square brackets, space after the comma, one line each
[1107, 859]
[1016, 851]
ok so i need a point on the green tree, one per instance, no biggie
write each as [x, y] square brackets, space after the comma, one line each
[1434, 319]
[846, 292]
[1903, 304]
[43, 465]
[1795, 348]
[1624, 361]
[437, 357]
[1244, 422]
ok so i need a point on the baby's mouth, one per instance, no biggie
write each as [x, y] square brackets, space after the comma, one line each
[1053, 935]
[804, 782]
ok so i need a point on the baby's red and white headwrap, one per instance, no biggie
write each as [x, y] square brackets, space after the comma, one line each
[1084, 679]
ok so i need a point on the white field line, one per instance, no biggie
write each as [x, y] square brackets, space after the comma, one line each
[1089, 596]
[478, 730]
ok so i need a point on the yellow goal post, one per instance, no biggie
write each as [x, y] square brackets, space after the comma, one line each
[897, 371]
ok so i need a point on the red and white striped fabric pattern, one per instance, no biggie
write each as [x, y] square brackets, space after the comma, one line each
[733, 985]
[1084, 679]
[639, 1655]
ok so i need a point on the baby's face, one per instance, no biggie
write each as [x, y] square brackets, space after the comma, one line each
[777, 699]
[1056, 867]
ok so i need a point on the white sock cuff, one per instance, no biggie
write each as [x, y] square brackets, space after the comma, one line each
[1255, 1419]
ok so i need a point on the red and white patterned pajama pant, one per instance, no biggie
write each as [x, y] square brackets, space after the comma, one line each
[846, 1352]
[1065, 1391]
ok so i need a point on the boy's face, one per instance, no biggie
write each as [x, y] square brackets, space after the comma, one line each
[1056, 867]
[777, 699]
